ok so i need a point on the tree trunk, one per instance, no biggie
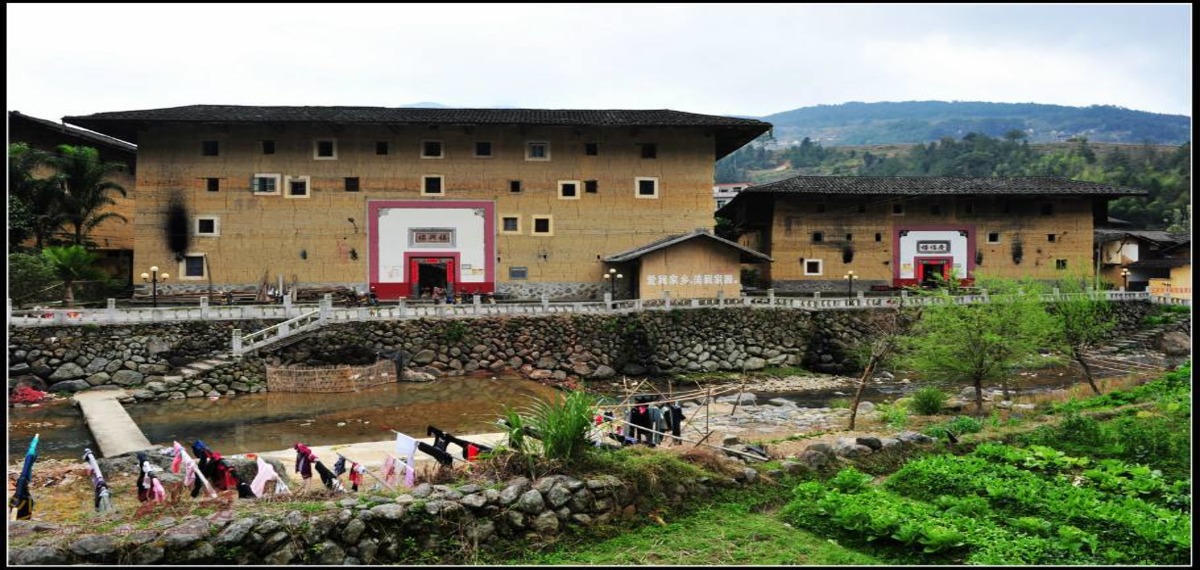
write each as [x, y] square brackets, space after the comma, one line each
[862, 385]
[1087, 372]
[978, 396]
[69, 294]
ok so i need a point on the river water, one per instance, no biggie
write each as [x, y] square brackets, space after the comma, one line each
[459, 405]
[268, 421]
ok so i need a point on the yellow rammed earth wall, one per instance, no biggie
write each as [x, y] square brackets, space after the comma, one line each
[679, 267]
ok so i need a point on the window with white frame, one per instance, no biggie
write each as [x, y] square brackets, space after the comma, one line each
[510, 224]
[537, 150]
[432, 149]
[298, 187]
[206, 226]
[993, 237]
[268, 184]
[325, 149]
[193, 267]
[645, 187]
[543, 225]
[812, 266]
[431, 185]
[568, 189]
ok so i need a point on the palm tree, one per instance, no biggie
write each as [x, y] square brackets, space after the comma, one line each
[86, 185]
[72, 264]
[35, 203]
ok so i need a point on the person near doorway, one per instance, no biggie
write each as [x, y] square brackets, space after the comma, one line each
[438, 295]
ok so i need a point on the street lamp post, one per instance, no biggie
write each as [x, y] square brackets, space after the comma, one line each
[849, 277]
[153, 278]
[612, 277]
[1125, 279]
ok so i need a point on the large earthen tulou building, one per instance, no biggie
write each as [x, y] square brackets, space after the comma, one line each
[525, 202]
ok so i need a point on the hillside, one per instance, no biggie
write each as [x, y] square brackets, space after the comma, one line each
[924, 121]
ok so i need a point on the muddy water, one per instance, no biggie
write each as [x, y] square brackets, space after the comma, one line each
[270, 421]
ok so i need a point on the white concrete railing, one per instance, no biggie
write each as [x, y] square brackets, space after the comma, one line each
[402, 310]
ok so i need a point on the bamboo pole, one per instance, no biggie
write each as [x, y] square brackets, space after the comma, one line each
[742, 453]
[364, 468]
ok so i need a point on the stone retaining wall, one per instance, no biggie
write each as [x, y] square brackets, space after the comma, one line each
[553, 349]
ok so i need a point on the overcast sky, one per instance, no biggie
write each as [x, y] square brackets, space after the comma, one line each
[724, 59]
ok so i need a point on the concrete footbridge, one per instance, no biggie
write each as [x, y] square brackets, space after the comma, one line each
[113, 430]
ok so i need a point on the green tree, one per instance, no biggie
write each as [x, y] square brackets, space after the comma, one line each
[1083, 321]
[30, 278]
[87, 188]
[35, 203]
[72, 264]
[979, 342]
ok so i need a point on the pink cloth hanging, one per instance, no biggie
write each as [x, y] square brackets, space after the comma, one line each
[406, 447]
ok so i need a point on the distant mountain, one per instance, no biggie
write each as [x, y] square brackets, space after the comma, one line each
[424, 105]
[925, 121]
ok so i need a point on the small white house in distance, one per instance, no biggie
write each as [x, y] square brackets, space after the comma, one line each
[723, 193]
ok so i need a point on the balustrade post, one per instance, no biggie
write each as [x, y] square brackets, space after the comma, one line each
[816, 294]
[637, 304]
[720, 297]
[403, 309]
[667, 298]
[608, 301]
[545, 302]
[204, 308]
[326, 307]
[771, 296]
[985, 295]
[60, 316]
[477, 300]
[695, 302]
[237, 341]
[440, 310]
[287, 304]
[284, 330]
[110, 310]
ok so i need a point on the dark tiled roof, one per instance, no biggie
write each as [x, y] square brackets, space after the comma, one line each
[938, 185]
[730, 130]
[748, 255]
[1163, 263]
[115, 144]
[1156, 236]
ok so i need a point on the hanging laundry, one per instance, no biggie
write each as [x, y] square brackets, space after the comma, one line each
[266, 474]
[328, 478]
[339, 466]
[389, 470]
[102, 500]
[438, 455]
[440, 438]
[356, 475]
[677, 418]
[191, 470]
[22, 499]
[640, 424]
[406, 449]
[304, 460]
[148, 485]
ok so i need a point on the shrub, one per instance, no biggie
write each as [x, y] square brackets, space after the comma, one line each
[563, 425]
[928, 401]
[893, 416]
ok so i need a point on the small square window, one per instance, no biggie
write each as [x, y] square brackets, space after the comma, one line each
[214, 184]
[542, 225]
[935, 210]
[1051, 238]
[591, 149]
[325, 149]
[431, 149]
[510, 224]
[268, 147]
[210, 148]
[818, 237]
[297, 187]
[993, 237]
[537, 151]
[878, 236]
[265, 184]
[591, 186]
[192, 267]
[514, 186]
[431, 185]
[206, 226]
[518, 273]
[647, 187]
[1047, 209]
[649, 150]
[483, 149]
[1060, 264]
[812, 266]
[568, 189]
[897, 209]
[352, 184]
[849, 237]
[381, 147]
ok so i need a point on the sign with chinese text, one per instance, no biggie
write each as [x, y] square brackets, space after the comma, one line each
[933, 247]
